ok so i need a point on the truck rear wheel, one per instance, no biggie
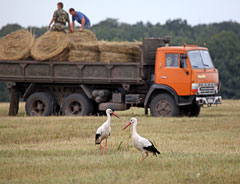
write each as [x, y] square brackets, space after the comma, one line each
[77, 105]
[40, 104]
[164, 105]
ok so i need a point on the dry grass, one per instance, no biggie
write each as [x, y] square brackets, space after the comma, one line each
[16, 45]
[61, 149]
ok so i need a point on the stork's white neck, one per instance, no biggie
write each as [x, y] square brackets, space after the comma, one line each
[108, 118]
[134, 130]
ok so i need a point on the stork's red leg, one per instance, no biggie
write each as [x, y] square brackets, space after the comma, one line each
[100, 148]
[106, 147]
[143, 158]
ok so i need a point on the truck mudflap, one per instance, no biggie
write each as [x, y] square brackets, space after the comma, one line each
[211, 100]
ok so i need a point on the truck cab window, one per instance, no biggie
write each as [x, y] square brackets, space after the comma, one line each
[172, 60]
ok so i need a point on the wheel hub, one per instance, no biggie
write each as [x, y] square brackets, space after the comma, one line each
[38, 107]
[163, 108]
[75, 107]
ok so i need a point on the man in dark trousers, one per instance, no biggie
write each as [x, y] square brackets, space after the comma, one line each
[60, 18]
[80, 18]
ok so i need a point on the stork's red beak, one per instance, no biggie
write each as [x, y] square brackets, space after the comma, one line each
[129, 123]
[115, 115]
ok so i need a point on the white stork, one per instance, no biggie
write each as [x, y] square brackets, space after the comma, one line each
[142, 144]
[103, 132]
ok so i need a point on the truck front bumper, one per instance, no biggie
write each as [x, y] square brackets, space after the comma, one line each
[210, 100]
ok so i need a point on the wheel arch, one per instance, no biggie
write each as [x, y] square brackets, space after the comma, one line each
[158, 88]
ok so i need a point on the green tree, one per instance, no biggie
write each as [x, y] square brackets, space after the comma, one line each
[225, 51]
[8, 29]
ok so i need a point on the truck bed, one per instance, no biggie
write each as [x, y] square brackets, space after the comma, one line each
[69, 72]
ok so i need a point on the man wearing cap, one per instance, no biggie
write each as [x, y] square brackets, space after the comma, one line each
[80, 18]
[60, 18]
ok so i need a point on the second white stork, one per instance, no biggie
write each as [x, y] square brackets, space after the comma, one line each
[140, 143]
[104, 131]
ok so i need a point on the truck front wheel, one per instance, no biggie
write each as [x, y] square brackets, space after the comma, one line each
[164, 105]
[194, 110]
[77, 105]
[40, 104]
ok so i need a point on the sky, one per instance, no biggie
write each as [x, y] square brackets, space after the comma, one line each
[39, 12]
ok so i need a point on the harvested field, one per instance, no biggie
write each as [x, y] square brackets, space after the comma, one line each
[62, 149]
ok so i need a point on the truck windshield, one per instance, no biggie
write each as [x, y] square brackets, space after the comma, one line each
[200, 59]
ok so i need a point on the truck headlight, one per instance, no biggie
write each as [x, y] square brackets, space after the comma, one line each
[195, 87]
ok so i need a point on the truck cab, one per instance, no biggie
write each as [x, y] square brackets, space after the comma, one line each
[190, 79]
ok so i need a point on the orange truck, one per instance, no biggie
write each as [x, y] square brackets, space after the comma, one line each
[190, 75]
[169, 80]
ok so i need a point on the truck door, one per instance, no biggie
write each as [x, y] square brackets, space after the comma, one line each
[175, 72]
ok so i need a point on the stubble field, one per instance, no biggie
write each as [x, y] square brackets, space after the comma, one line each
[62, 150]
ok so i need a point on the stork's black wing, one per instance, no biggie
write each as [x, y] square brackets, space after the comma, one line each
[152, 149]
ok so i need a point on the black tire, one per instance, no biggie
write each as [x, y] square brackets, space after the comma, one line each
[194, 110]
[40, 104]
[164, 105]
[77, 105]
[191, 110]
[55, 108]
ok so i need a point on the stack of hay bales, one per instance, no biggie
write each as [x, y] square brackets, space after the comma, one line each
[120, 51]
[74, 47]
[16, 45]
[83, 47]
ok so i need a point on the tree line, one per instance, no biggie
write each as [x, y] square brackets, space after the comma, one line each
[222, 39]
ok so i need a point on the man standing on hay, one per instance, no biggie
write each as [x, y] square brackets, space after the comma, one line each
[60, 17]
[80, 18]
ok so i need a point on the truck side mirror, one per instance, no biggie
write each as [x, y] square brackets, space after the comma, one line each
[183, 58]
[181, 63]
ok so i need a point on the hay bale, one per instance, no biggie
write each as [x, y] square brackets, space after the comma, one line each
[120, 51]
[84, 36]
[131, 48]
[85, 46]
[16, 45]
[63, 56]
[109, 57]
[49, 45]
[83, 56]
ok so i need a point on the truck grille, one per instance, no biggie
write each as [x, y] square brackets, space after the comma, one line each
[207, 88]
